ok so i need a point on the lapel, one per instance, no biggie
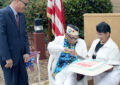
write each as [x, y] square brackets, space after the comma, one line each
[20, 23]
[11, 15]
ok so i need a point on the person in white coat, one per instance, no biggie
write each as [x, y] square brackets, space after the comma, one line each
[63, 51]
[105, 49]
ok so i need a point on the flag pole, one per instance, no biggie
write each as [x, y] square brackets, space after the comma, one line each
[49, 30]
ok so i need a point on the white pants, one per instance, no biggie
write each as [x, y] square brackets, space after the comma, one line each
[108, 78]
[83, 81]
[66, 77]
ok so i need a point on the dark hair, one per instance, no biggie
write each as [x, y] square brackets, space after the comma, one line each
[74, 27]
[103, 27]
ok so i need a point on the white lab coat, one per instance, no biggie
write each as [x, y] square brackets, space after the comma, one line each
[109, 53]
[56, 47]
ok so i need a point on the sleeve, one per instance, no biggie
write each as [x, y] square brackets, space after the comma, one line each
[82, 49]
[55, 46]
[27, 49]
[84, 52]
[114, 56]
[4, 47]
[91, 50]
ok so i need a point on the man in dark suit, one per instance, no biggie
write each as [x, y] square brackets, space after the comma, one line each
[14, 46]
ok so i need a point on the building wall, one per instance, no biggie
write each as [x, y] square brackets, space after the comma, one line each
[116, 6]
[91, 20]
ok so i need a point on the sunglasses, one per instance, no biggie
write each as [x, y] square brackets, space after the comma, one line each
[24, 3]
[72, 38]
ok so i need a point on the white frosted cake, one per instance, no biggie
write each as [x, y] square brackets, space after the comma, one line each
[89, 67]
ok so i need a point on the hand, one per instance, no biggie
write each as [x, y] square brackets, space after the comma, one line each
[67, 50]
[9, 63]
[74, 53]
[26, 58]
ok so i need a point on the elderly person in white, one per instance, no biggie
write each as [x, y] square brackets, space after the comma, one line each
[106, 50]
[63, 51]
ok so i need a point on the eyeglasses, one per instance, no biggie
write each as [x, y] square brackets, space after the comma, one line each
[72, 38]
[24, 3]
[99, 35]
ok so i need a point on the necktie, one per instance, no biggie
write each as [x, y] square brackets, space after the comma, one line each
[17, 20]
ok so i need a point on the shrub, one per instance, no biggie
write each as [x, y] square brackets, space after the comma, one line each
[74, 10]
[35, 9]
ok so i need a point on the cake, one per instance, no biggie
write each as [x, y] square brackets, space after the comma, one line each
[89, 67]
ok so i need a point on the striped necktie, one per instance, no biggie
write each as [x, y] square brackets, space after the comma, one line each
[17, 21]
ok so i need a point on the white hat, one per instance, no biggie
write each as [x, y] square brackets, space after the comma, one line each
[72, 30]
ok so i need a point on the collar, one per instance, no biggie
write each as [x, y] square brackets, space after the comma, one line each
[14, 11]
[108, 43]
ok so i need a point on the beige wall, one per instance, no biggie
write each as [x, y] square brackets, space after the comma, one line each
[116, 6]
[91, 20]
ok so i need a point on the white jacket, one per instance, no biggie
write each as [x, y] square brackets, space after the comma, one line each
[109, 52]
[56, 47]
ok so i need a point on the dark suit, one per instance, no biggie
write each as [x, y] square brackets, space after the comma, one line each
[13, 45]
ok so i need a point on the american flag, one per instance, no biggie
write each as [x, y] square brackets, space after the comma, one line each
[56, 13]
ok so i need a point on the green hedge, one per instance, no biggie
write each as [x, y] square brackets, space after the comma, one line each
[1, 4]
[35, 9]
[73, 9]
[4, 3]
